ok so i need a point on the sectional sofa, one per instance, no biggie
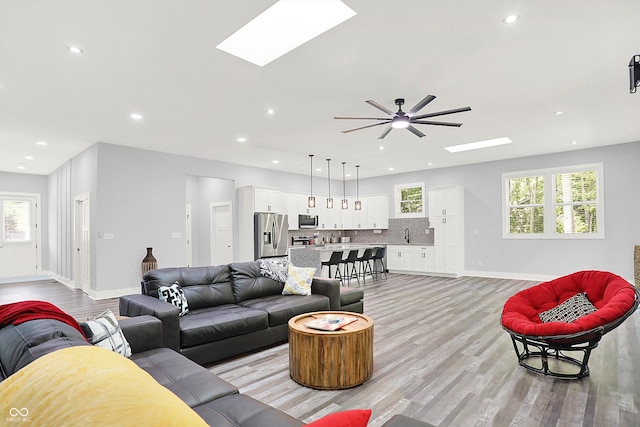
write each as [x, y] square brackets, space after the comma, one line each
[51, 376]
[232, 309]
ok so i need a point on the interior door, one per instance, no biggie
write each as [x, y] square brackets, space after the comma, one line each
[19, 238]
[189, 236]
[221, 234]
[82, 242]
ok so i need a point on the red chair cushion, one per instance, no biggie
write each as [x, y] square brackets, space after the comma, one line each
[610, 294]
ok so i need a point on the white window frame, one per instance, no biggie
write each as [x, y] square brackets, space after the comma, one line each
[550, 203]
[398, 199]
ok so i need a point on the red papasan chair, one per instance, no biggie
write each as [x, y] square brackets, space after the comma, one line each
[570, 314]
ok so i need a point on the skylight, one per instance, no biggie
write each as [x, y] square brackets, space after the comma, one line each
[283, 27]
[478, 144]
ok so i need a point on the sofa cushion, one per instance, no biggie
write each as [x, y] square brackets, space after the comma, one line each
[248, 283]
[239, 410]
[281, 308]
[26, 342]
[350, 295]
[88, 385]
[175, 295]
[104, 331]
[202, 286]
[206, 325]
[189, 381]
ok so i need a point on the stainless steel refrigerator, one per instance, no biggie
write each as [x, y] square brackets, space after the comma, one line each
[270, 234]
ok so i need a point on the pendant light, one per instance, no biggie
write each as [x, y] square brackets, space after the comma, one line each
[311, 201]
[345, 202]
[358, 204]
[329, 199]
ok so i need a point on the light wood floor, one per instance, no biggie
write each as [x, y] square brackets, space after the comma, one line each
[440, 355]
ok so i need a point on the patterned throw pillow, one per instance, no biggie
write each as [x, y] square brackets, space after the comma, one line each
[274, 268]
[570, 310]
[104, 331]
[175, 295]
[299, 280]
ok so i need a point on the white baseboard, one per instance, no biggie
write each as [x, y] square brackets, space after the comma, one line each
[113, 293]
[508, 275]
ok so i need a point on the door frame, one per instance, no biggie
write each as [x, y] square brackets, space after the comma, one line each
[212, 225]
[38, 224]
[81, 198]
[189, 234]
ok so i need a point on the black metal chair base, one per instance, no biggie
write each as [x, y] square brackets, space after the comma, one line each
[545, 357]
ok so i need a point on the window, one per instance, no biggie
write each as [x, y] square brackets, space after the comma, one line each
[554, 203]
[409, 200]
[16, 220]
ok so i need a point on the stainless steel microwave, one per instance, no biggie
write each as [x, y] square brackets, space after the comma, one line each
[307, 221]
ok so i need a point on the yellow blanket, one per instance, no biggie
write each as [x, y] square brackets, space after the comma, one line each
[86, 385]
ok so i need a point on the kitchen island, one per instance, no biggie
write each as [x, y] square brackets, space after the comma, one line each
[313, 255]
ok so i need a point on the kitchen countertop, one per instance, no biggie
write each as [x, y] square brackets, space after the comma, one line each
[338, 246]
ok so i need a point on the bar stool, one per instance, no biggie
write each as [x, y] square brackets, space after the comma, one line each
[364, 265]
[378, 260]
[335, 259]
[352, 273]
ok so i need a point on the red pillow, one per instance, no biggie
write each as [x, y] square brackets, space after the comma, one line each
[352, 418]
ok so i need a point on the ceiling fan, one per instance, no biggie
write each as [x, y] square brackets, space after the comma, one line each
[402, 120]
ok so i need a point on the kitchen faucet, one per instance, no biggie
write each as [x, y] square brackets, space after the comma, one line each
[406, 234]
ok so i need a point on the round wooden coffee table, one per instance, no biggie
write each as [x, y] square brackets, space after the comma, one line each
[330, 360]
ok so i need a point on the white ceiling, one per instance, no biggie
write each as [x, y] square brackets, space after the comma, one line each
[158, 58]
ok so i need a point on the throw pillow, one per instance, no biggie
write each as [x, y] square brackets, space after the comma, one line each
[104, 331]
[570, 310]
[274, 268]
[299, 280]
[351, 418]
[175, 295]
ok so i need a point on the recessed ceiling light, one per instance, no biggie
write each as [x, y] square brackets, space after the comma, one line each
[574, 142]
[429, 164]
[41, 143]
[382, 147]
[270, 111]
[511, 19]
[241, 139]
[136, 116]
[390, 169]
[283, 27]
[557, 113]
[478, 144]
[75, 49]
[348, 175]
[21, 166]
[318, 169]
[275, 162]
[29, 157]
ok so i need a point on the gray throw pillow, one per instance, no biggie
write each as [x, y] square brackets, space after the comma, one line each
[570, 310]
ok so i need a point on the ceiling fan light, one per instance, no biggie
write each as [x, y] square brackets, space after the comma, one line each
[400, 123]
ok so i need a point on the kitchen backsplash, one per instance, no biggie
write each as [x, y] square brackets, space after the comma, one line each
[395, 235]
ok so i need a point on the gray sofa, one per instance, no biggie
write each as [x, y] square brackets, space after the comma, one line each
[233, 309]
[218, 402]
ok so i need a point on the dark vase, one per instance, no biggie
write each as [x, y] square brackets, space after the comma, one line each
[149, 262]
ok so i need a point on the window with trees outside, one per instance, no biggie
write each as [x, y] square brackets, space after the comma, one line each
[409, 200]
[562, 202]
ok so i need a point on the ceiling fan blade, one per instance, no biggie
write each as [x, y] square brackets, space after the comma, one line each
[429, 122]
[380, 107]
[364, 127]
[386, 132]
[415, 131]
[360, 118]
[441, 113]
[420, 105]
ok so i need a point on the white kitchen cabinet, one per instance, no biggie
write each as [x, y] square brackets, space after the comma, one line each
[359, 218]
[425, 259]
[401, 257]
[267, 200]
[377, 208]
[446, 217]
[291, 203]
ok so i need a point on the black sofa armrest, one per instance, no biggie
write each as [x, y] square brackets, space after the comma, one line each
[140, 305]
[329, 288]
[142, 332]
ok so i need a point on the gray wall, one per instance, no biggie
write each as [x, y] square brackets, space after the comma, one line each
[139, 197]
[487, 253]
